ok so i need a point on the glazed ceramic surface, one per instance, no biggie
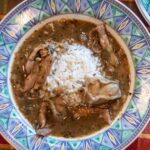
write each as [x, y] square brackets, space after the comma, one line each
[144, 7]
[29, 13]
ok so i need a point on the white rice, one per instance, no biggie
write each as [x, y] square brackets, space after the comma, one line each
[70, 69]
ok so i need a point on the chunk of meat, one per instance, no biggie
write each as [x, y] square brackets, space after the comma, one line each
[58, 91]
[83, 38]
[51, 26]
[29, 82]
[38, 71]
[106, 116]
[94, 87]
[97, 92]
[42, 114]
[29, 65]
[54, 110]
[43, 52]
[43, 72]
[31, 79]
[59, 104]
[58, 108]
[30, 62]
[43, 132]
[93, 43]
[84, 112]
[104, 41]
[108, 92]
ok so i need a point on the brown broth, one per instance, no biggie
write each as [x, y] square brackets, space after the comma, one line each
[67, 29]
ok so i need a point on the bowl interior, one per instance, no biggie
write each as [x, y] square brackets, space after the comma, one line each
[84, 18]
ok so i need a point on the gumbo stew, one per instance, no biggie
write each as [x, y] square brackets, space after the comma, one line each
[70, 78]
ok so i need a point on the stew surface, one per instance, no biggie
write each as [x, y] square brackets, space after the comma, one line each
[70, 78]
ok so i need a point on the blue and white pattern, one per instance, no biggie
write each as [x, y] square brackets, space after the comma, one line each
[144, 7]
[30, 12]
